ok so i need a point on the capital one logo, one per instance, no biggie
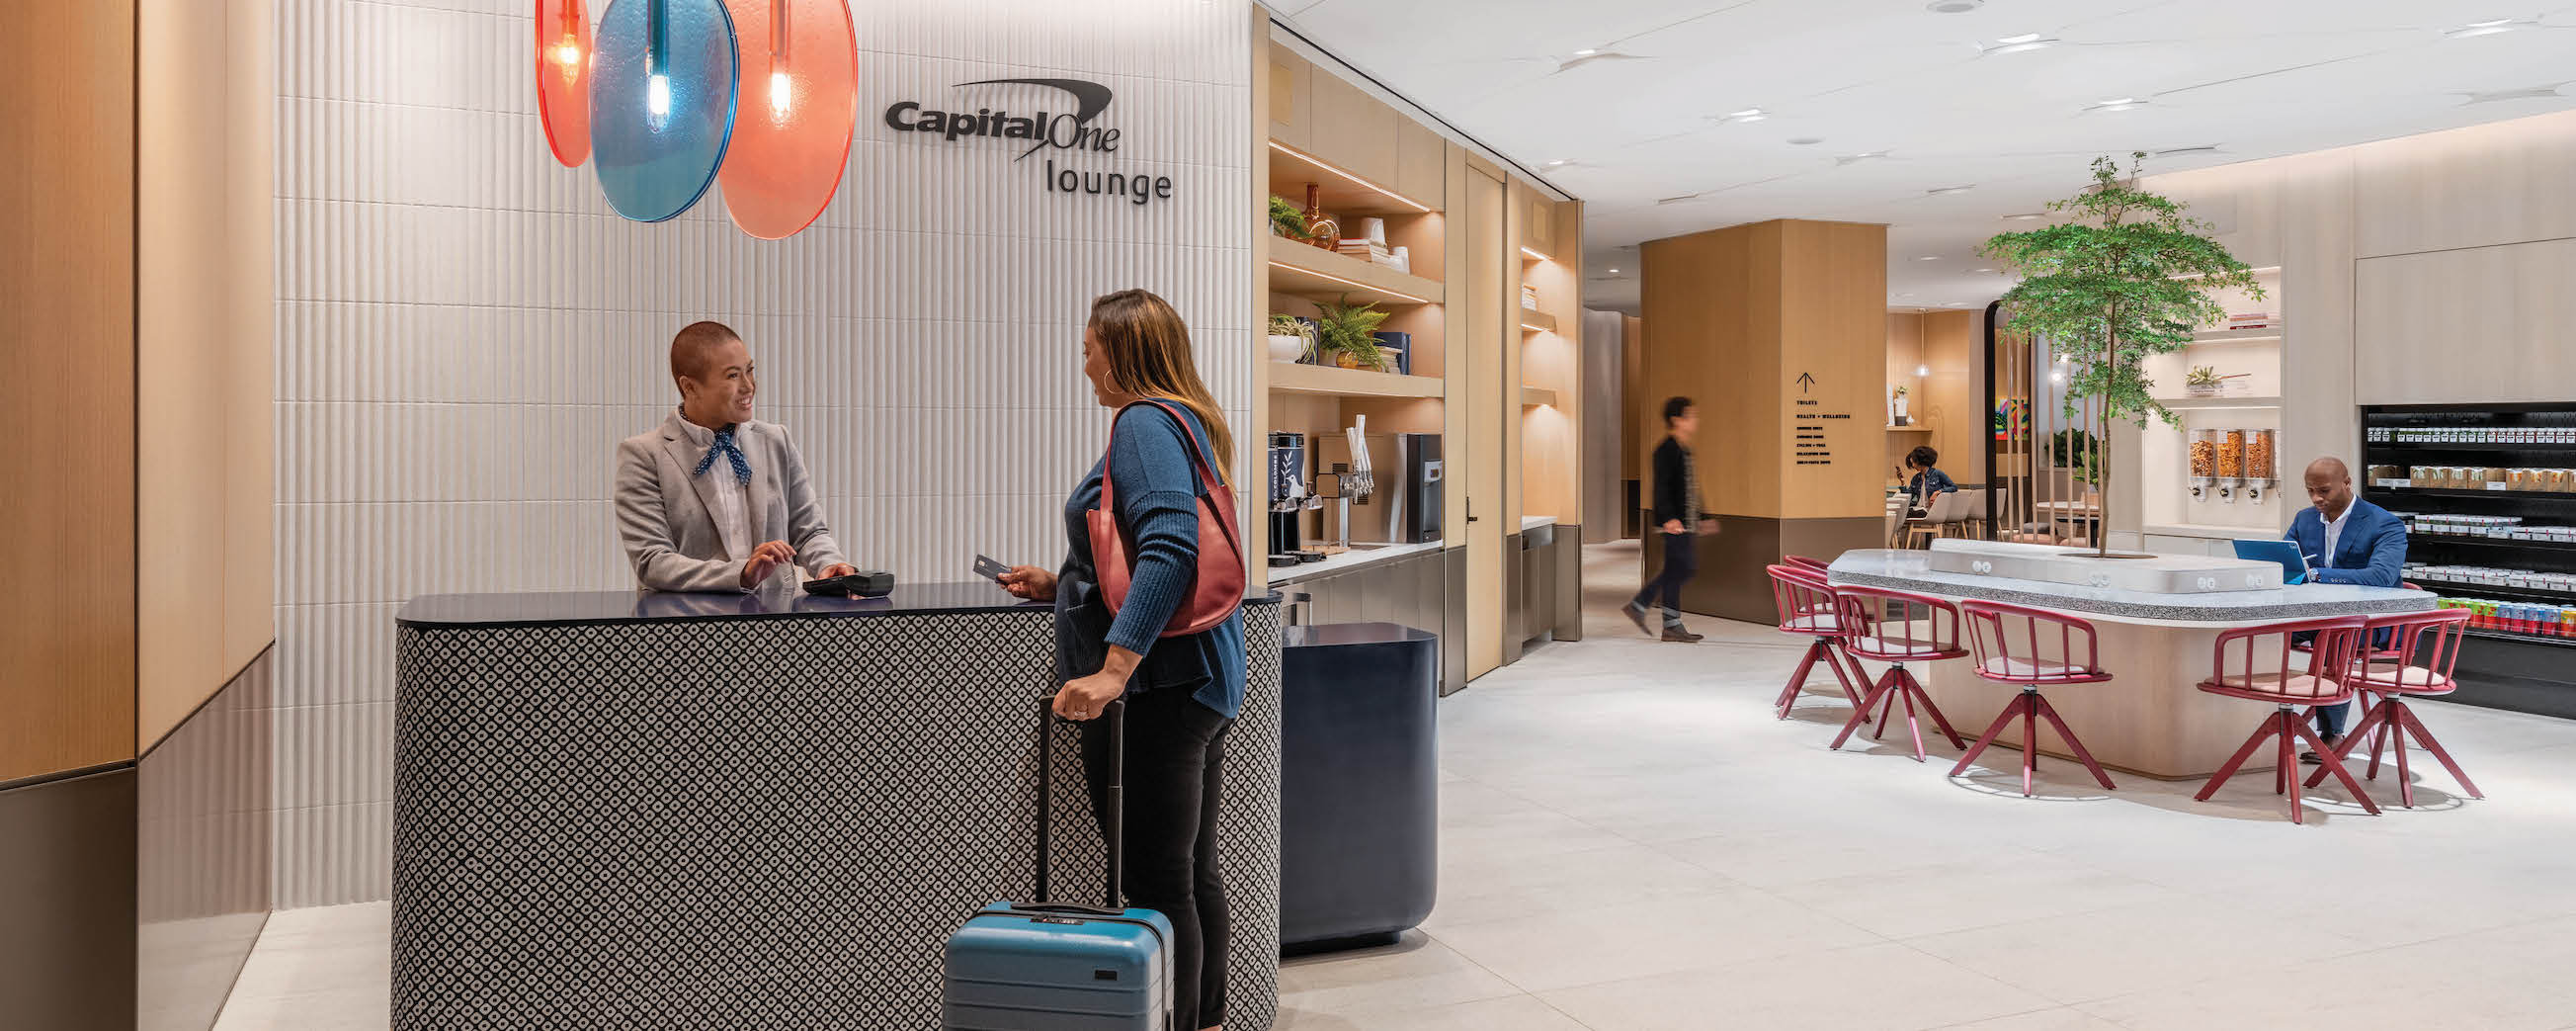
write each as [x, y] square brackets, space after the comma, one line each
[1075, 133]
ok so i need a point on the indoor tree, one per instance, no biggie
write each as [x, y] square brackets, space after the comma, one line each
[2126, 277]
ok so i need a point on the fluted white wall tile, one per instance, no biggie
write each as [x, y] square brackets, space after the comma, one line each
[465, 330]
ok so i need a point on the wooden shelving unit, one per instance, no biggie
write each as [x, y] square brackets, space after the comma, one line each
[1316, 274]
[1533, 321]
[2160, 479]
[1340, 382]
[1535, 396]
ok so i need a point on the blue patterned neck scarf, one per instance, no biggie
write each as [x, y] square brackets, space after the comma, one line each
[725, 446]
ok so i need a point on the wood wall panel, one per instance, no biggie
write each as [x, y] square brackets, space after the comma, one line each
[2506, 182]
[203, 343]
[1353, 129]
[1291, 93]
[1700, 303]
[2486, 324]
[1832, 313]
[1480, 343]
[1953, 400]
[1421, 170]
[67, 626]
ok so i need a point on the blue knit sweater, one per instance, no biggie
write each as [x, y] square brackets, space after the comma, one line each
[1158, 492]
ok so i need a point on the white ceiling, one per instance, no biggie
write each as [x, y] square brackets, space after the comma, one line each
[2253, 78]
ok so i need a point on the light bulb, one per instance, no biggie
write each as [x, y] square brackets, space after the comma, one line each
[780, 94]
[568, 52]
[657, 96]
[1922, 370]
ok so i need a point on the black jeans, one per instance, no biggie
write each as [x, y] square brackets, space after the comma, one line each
[1681, 562]
[1175, 751]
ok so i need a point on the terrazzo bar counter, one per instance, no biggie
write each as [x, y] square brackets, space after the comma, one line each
[2151, 719]
[759, 811]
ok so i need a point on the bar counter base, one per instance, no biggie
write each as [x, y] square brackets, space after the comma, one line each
[750, 813]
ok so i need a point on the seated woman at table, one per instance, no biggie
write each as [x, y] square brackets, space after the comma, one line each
[1928, 481]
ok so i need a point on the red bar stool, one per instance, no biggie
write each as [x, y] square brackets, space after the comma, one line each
[2422, 649]
[2366, 698]
[2327, 680]
[1806, 605]
[1896, 628]
[1991, 626]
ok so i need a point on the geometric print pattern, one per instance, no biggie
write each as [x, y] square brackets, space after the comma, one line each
[753, 824]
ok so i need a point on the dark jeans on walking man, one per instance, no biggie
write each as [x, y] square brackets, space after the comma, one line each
[1681, 562]
[1679, 518]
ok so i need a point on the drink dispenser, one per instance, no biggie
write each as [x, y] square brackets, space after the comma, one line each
[2204, 463]
[2260, 477]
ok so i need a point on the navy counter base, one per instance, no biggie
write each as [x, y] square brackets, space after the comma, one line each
[1360, 784]
[756, 812]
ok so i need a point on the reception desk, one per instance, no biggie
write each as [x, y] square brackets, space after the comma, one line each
[749, 811]
[2151, 718]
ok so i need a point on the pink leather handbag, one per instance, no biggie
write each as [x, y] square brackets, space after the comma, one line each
[1216, 590]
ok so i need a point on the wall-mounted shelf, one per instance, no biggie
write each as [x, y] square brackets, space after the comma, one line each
[1330, 379]
[1916, 428]
[1532, 397]
[1339, 191]
[2237, 336]
[1535, 321]
[2381, 445]
[1318, 274]
[2185, 404]
[2507, 635]
[2457, 492]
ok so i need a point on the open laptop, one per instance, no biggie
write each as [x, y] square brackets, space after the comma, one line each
[2294, 566]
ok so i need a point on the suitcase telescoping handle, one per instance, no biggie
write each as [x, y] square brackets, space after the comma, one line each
[1116, 714]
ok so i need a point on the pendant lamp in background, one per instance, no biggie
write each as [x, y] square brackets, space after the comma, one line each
[791, 138]
[563, 78]
[662, 89]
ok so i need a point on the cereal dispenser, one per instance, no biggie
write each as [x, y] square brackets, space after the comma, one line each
[2204, 463]
[2260, 479]
[2231, 465]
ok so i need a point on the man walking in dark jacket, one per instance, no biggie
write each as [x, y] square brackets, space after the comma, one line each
[1678, 522]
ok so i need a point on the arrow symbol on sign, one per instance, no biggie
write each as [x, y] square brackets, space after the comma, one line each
[1806, 381]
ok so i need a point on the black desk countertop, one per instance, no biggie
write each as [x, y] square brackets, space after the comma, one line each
[490, 611]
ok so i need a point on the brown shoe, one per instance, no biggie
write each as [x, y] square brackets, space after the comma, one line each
[1677, 633]
[1637, 614]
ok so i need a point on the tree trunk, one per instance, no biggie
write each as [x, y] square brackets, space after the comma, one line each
[2102, 455]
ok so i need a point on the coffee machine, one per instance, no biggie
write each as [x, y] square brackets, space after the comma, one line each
[1288, 493]
[1414, 517]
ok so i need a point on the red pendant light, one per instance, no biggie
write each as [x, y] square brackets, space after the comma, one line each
[563, 78]
[799, 106]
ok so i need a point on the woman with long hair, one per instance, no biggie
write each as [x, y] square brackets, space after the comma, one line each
[1183, 692]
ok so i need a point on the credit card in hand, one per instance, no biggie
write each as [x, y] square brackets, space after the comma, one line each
[989, 569]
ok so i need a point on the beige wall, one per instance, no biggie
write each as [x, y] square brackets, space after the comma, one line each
[2422, 270]
[67, 286]
[203, 343]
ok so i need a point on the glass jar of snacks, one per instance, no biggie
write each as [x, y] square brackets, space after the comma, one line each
[2258, 455]
[2231, 454]
[2204, 453]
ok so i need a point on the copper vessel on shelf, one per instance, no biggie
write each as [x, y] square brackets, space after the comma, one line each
[1321, 230]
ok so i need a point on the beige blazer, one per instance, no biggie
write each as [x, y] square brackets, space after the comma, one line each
[666, 513]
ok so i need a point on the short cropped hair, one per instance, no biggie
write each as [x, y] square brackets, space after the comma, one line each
[1922, 457]
[1674, 408]
[695, 341]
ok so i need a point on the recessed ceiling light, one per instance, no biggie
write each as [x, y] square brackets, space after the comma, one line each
[2116, 104]
[1929, 257]
[1923, 370]
[2502, 95]
[1614, 271]
[1683, 199]
[2491, 27]
[1854, 159]
[2023, 43]
[1953, 6]
[1806, 141]
[2031, 217]
[2209, 148]
[1939, 191]
[1985, 270]
[1558, 163]
[1586, 52]
[1905, 295]
[1750, 114]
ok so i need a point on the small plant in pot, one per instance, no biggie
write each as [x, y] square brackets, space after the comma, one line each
[1348, 333]
[1291, 339]
[1286, 220]
[2204, 381]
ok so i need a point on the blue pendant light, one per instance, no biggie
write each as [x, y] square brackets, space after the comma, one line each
[662, 93]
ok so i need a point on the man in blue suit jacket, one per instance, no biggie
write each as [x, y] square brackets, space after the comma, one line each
[2347, 541]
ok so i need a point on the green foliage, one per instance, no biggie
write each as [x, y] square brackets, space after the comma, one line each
[2203, 376]
[1349, 329]
[1287, 221]
[2126, 279]
[1283, 325]
[2073, 450]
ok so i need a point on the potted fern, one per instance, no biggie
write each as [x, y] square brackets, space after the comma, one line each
[1286, 220]
[1348, 333]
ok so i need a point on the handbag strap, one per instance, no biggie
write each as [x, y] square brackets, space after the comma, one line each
[1198, 459]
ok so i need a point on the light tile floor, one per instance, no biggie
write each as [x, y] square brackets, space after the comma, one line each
[1630, 841]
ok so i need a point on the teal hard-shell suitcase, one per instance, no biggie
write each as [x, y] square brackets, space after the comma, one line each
[1049, 966]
